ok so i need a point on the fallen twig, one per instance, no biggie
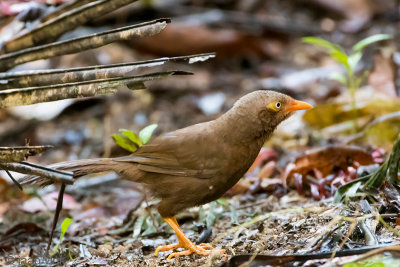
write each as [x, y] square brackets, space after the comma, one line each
[285, 260]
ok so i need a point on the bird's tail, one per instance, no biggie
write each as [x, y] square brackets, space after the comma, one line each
[78, 167]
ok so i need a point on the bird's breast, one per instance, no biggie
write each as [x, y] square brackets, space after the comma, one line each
[238, 160]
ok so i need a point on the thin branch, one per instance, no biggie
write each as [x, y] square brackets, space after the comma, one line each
[75, 45]
[66, 7]
[33, 95]
[9, 80]
[34, 169]
[56, 215]
[13, 179]
[54, 28]
[283, 260]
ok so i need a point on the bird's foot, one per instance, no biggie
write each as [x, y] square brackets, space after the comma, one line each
[184, 242]
[202, 249]
[166, 248]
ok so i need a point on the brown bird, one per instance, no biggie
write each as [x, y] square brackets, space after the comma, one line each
[197, 164]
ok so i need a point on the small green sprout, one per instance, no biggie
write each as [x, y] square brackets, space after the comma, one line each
[131, 141]
[64, 226]
[350, 80]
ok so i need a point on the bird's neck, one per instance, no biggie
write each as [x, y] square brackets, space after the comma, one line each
[237, 127]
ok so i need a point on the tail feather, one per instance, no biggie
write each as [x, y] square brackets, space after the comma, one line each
[78, 167]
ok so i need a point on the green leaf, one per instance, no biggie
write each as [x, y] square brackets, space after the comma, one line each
[212, 215]
[137, 227]
[148, 226]
[321, 42]
[132, 136]
[380, 260]
[339, 77]
[359, 46]
[234, 215]
[354, 59]
[340, 57]
[64, 227]
[124, 142]
[353, 189]
[146, 132]
[223, 202]
[334, 50]
[341, 192]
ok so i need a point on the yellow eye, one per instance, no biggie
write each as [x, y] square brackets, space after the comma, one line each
[275, 105]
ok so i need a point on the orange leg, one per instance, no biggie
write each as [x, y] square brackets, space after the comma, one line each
[184, 242]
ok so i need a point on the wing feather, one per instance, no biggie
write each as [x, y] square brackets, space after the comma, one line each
[178, 154]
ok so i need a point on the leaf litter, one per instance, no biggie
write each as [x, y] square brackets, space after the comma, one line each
[115, 224]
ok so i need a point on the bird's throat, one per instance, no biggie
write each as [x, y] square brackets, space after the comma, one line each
[238, 128]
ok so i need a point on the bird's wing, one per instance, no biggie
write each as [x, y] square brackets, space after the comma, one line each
[186, 152]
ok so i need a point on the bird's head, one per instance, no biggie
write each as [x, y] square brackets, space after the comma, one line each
[267, 108]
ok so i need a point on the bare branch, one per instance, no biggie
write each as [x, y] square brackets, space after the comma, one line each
[9, 80]
[33, 95]
[14, 180]
[75, 45]
[54, 28]
[34, 169]
[67, 6]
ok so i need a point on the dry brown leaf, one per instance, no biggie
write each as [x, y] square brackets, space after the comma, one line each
[182, 39]
[325, 160]
[49, 201]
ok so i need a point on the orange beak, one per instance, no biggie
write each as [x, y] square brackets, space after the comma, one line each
[298, 105]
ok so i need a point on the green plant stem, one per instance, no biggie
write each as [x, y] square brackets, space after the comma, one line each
[352, 88]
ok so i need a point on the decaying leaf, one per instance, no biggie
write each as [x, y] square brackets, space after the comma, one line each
[264, 155]
[324, 115]
[49, 202]
[326, 160]
[335, 119]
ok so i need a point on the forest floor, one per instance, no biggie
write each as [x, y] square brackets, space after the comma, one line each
[284, 204]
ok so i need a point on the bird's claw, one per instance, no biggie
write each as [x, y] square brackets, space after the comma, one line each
[166, 248]
[206, 246]
[202, 249]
